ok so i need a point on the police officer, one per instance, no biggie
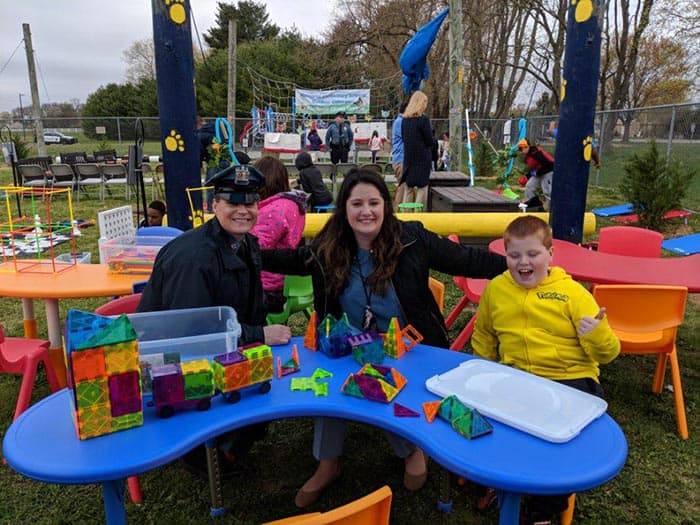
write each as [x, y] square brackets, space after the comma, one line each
[218, 264]
[339, 137]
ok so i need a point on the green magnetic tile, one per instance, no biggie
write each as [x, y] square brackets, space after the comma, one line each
[90, 393]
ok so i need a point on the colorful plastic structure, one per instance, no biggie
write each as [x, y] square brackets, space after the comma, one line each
[290, 366]
[333, 336]
[182, 385]
[243, 368]
[374, 382]
[397, 341]
[465, 420]
[103, 373]
[313, 383]
[367, 348]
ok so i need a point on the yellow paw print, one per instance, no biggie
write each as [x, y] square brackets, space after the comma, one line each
[176, 10]
[584, 10]
[587, 148]
[562, 92]
[174, 142]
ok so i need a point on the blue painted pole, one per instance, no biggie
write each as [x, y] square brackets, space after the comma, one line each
[576, 116]
[176, 103]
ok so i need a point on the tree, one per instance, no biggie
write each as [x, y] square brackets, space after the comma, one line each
[119, 100]
[252, 24]
[140, 60]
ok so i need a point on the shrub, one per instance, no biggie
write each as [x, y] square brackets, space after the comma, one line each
[484, 160]
[22, 149]
[654, 185]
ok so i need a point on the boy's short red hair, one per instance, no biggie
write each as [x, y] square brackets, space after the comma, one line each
[527, 225]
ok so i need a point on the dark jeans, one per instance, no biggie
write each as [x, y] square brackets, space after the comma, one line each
[339, 154]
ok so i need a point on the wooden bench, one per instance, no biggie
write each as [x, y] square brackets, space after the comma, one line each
[448, 178]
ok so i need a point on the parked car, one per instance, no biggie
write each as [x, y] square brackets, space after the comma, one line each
[56, 137]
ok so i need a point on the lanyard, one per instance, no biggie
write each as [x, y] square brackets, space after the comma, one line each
[369, 322]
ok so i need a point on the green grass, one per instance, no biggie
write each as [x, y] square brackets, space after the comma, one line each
[658, 484]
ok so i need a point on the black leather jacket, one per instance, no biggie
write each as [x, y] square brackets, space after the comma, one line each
[422, 251]
[199, 268]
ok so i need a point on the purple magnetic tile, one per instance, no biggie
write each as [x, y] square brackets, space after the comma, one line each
[229, 358]
[168, 387]
[403, 411]
[370, 388]
[124, 386]
[125, 406]
[384, 370]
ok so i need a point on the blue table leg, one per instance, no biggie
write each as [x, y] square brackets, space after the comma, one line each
[509, 503]
[113, 496]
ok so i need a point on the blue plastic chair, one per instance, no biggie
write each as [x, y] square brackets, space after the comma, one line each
[158, 231]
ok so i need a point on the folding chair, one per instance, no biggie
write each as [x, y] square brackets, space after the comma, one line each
[33, 176]
[88, 175]
[114, 175]
[62, 176]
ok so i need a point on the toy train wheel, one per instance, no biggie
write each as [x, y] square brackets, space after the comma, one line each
[166, 411]
[265, 387]
[203, 404]
[232, 397]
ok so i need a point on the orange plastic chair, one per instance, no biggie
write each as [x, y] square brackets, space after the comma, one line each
[630, 240]
[373, 509]
[125, 305]
[438, 290]
[646, 319]
[22, 356]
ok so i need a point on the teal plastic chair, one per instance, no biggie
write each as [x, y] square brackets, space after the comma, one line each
[299, 294]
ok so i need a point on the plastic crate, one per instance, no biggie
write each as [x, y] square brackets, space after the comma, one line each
[81, 258]
[131, 253]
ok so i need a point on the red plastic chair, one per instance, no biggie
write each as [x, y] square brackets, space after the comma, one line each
[125, 305]
[472, 288]
[22, 356]
[630, 240]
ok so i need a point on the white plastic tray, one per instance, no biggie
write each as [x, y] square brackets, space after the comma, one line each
[538, 406]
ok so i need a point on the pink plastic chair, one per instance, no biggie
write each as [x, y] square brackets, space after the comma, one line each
[125, 305]
[630, 240]
[22, 356]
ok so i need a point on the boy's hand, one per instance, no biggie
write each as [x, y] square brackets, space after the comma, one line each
[277, 334]
[587, 324]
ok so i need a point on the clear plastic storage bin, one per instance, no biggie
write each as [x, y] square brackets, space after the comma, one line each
[131, 254]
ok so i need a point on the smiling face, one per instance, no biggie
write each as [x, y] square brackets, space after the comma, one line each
[528, 259]
[236, 219]
[365, 212]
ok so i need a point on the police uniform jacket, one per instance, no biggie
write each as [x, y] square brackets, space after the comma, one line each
[200, 268]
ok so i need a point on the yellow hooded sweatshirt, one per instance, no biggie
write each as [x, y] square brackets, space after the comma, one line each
[534, 329]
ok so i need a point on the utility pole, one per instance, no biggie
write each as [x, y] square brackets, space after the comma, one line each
[36, 104]
[456, 74]
[231, 107]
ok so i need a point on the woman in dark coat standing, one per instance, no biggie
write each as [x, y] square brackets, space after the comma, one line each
[417, 143]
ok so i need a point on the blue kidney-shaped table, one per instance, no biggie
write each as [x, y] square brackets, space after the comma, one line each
[42, 443]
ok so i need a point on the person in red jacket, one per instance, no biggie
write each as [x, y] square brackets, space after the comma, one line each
[541, 165]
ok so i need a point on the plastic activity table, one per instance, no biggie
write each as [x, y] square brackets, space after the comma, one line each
[606, 268]
[75, 281]
[510, 460]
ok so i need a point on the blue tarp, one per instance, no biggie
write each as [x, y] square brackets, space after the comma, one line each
[413, 60]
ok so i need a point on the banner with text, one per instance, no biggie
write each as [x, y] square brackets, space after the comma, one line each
[329, 102]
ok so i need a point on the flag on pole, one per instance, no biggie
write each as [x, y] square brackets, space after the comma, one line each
[413, 60]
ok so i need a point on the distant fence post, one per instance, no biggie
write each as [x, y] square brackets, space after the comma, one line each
[670, 133]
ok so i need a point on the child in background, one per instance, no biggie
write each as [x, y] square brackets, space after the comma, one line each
[537, 318]
[311, 181]
[375, 144]
[154, 214]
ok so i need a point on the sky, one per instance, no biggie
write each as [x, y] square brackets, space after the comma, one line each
[78, 44]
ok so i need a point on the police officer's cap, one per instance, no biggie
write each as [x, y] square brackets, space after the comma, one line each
[238, 184]
[340, 114]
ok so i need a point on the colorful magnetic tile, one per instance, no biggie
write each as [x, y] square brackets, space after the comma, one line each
[261, 369]
[301, 383]
[199, 384]
[88, 364]
[229, 358]
[310, 335]
[431, 409]
[118, 331]
[372, 384]
[127, 421]
[452, 408]
[94, 421]
[125, 393]
[320, 389]
[170, 386]
[404, 411]
[257, 352]
[80, 326]
[92, 393]
[122, 357]
[320, 373]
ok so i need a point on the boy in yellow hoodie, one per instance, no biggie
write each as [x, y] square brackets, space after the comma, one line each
[537, 318]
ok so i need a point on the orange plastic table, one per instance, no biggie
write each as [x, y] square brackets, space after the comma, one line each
[607, 268]
[75, 281]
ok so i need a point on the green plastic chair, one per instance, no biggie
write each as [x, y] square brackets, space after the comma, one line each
[299, 292]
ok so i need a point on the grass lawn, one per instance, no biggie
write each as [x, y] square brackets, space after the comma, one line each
[658, 484]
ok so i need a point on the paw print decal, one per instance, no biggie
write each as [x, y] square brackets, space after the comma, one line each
[584, 10]
[587, 148]
[176, 10]
[174, 142]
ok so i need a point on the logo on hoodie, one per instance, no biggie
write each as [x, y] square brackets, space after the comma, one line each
[553, 295]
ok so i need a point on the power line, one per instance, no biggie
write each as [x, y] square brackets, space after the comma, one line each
[12, 55]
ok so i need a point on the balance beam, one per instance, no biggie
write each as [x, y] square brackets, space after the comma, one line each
[487, 225]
